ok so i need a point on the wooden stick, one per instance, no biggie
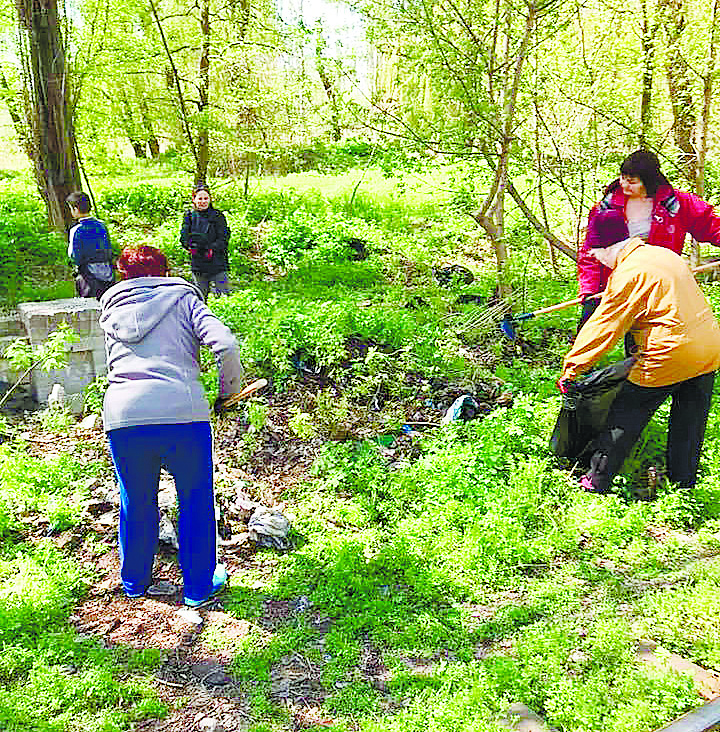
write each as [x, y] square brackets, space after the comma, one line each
[232, 399]
[578, 300]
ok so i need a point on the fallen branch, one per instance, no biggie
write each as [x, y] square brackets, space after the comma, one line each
[25, 373]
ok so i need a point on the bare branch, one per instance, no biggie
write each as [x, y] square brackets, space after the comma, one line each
[176, 78]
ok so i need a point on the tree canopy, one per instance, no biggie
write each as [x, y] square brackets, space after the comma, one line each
[539, 98]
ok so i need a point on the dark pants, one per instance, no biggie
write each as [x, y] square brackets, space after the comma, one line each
[220, 280]
[88, 286]
[630, 413]
[185, 450]
[588, 308]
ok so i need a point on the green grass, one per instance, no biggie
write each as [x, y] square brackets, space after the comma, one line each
[52, 679]
[482, 521]
[474, 573]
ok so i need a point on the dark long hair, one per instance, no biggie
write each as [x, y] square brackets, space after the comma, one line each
[644, 165]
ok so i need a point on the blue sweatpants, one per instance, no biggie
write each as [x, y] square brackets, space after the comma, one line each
[185, 451]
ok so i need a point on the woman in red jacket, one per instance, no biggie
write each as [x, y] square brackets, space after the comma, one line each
[653, 211]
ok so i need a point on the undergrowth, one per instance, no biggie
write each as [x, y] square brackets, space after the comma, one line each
[51, 678]
[471, 569]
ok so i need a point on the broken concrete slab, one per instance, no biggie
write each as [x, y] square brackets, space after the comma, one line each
[706, 682]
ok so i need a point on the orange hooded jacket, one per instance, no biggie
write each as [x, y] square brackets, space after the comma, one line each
[651, 293]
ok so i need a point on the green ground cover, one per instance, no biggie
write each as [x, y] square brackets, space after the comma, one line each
[52, 678]
[471, 572]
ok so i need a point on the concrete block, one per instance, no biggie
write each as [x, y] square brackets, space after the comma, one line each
[7, 373]
[83, 323]
[74, 377]
[86, 357]
[41, 318]
[88, 343]
[11, 325]
[75, 403]
[99, 362]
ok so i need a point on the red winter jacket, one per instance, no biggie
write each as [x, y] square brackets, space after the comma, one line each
[675, 214]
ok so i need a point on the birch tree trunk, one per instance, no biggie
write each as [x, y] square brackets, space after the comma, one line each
[491, 213]
[328, 83]
[203, 135]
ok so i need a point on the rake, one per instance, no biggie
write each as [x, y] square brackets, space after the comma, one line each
[224, 403]
[509, 323]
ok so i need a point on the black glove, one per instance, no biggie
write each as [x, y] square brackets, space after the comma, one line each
[199, 240]
[589, 306]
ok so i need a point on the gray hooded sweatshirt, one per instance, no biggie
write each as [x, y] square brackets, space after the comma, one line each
[154, 327]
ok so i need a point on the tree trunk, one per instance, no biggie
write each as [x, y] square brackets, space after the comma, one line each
[707, 80]
[704, 121]
[680, 86]
[128, 123]
[150, 137]
[203, 137]
[494, 201]
[649, 30]
[55, 163]
[172, 78]
[328, 83]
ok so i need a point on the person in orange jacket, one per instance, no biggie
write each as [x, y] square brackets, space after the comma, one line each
[651, 292]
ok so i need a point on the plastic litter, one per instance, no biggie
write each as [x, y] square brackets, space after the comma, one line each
[463, 408]
[385, 440]
[306, 363]
[161, 589]
[190, 616]
[359, 247]
[56, 399]
[166, 532]
[302, 604]
[455, 274]
[268, 528]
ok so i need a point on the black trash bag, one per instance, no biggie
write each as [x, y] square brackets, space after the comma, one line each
[359, 247]
[585, 410]
[453, 275]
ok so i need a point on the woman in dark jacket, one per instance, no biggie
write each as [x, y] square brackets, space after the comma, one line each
[155, 414]
[205, 234]
[653, 210]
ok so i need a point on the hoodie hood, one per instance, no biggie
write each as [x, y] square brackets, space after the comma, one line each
[132, 308]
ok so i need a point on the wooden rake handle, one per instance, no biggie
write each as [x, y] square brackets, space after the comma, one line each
[226, 402]
[579, 300]
[705, 267]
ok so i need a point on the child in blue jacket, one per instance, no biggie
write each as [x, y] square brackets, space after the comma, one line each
[89, 249]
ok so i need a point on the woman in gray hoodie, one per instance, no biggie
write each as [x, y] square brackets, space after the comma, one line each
[156, 415]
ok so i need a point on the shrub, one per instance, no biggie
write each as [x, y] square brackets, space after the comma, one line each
[149, 201]
[326, 236]
[277, 205]
[48, 486]
[25, 245]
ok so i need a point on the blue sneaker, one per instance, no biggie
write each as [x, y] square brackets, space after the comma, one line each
[219, 582]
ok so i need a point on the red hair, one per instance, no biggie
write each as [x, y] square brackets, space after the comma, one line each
[142, 261]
